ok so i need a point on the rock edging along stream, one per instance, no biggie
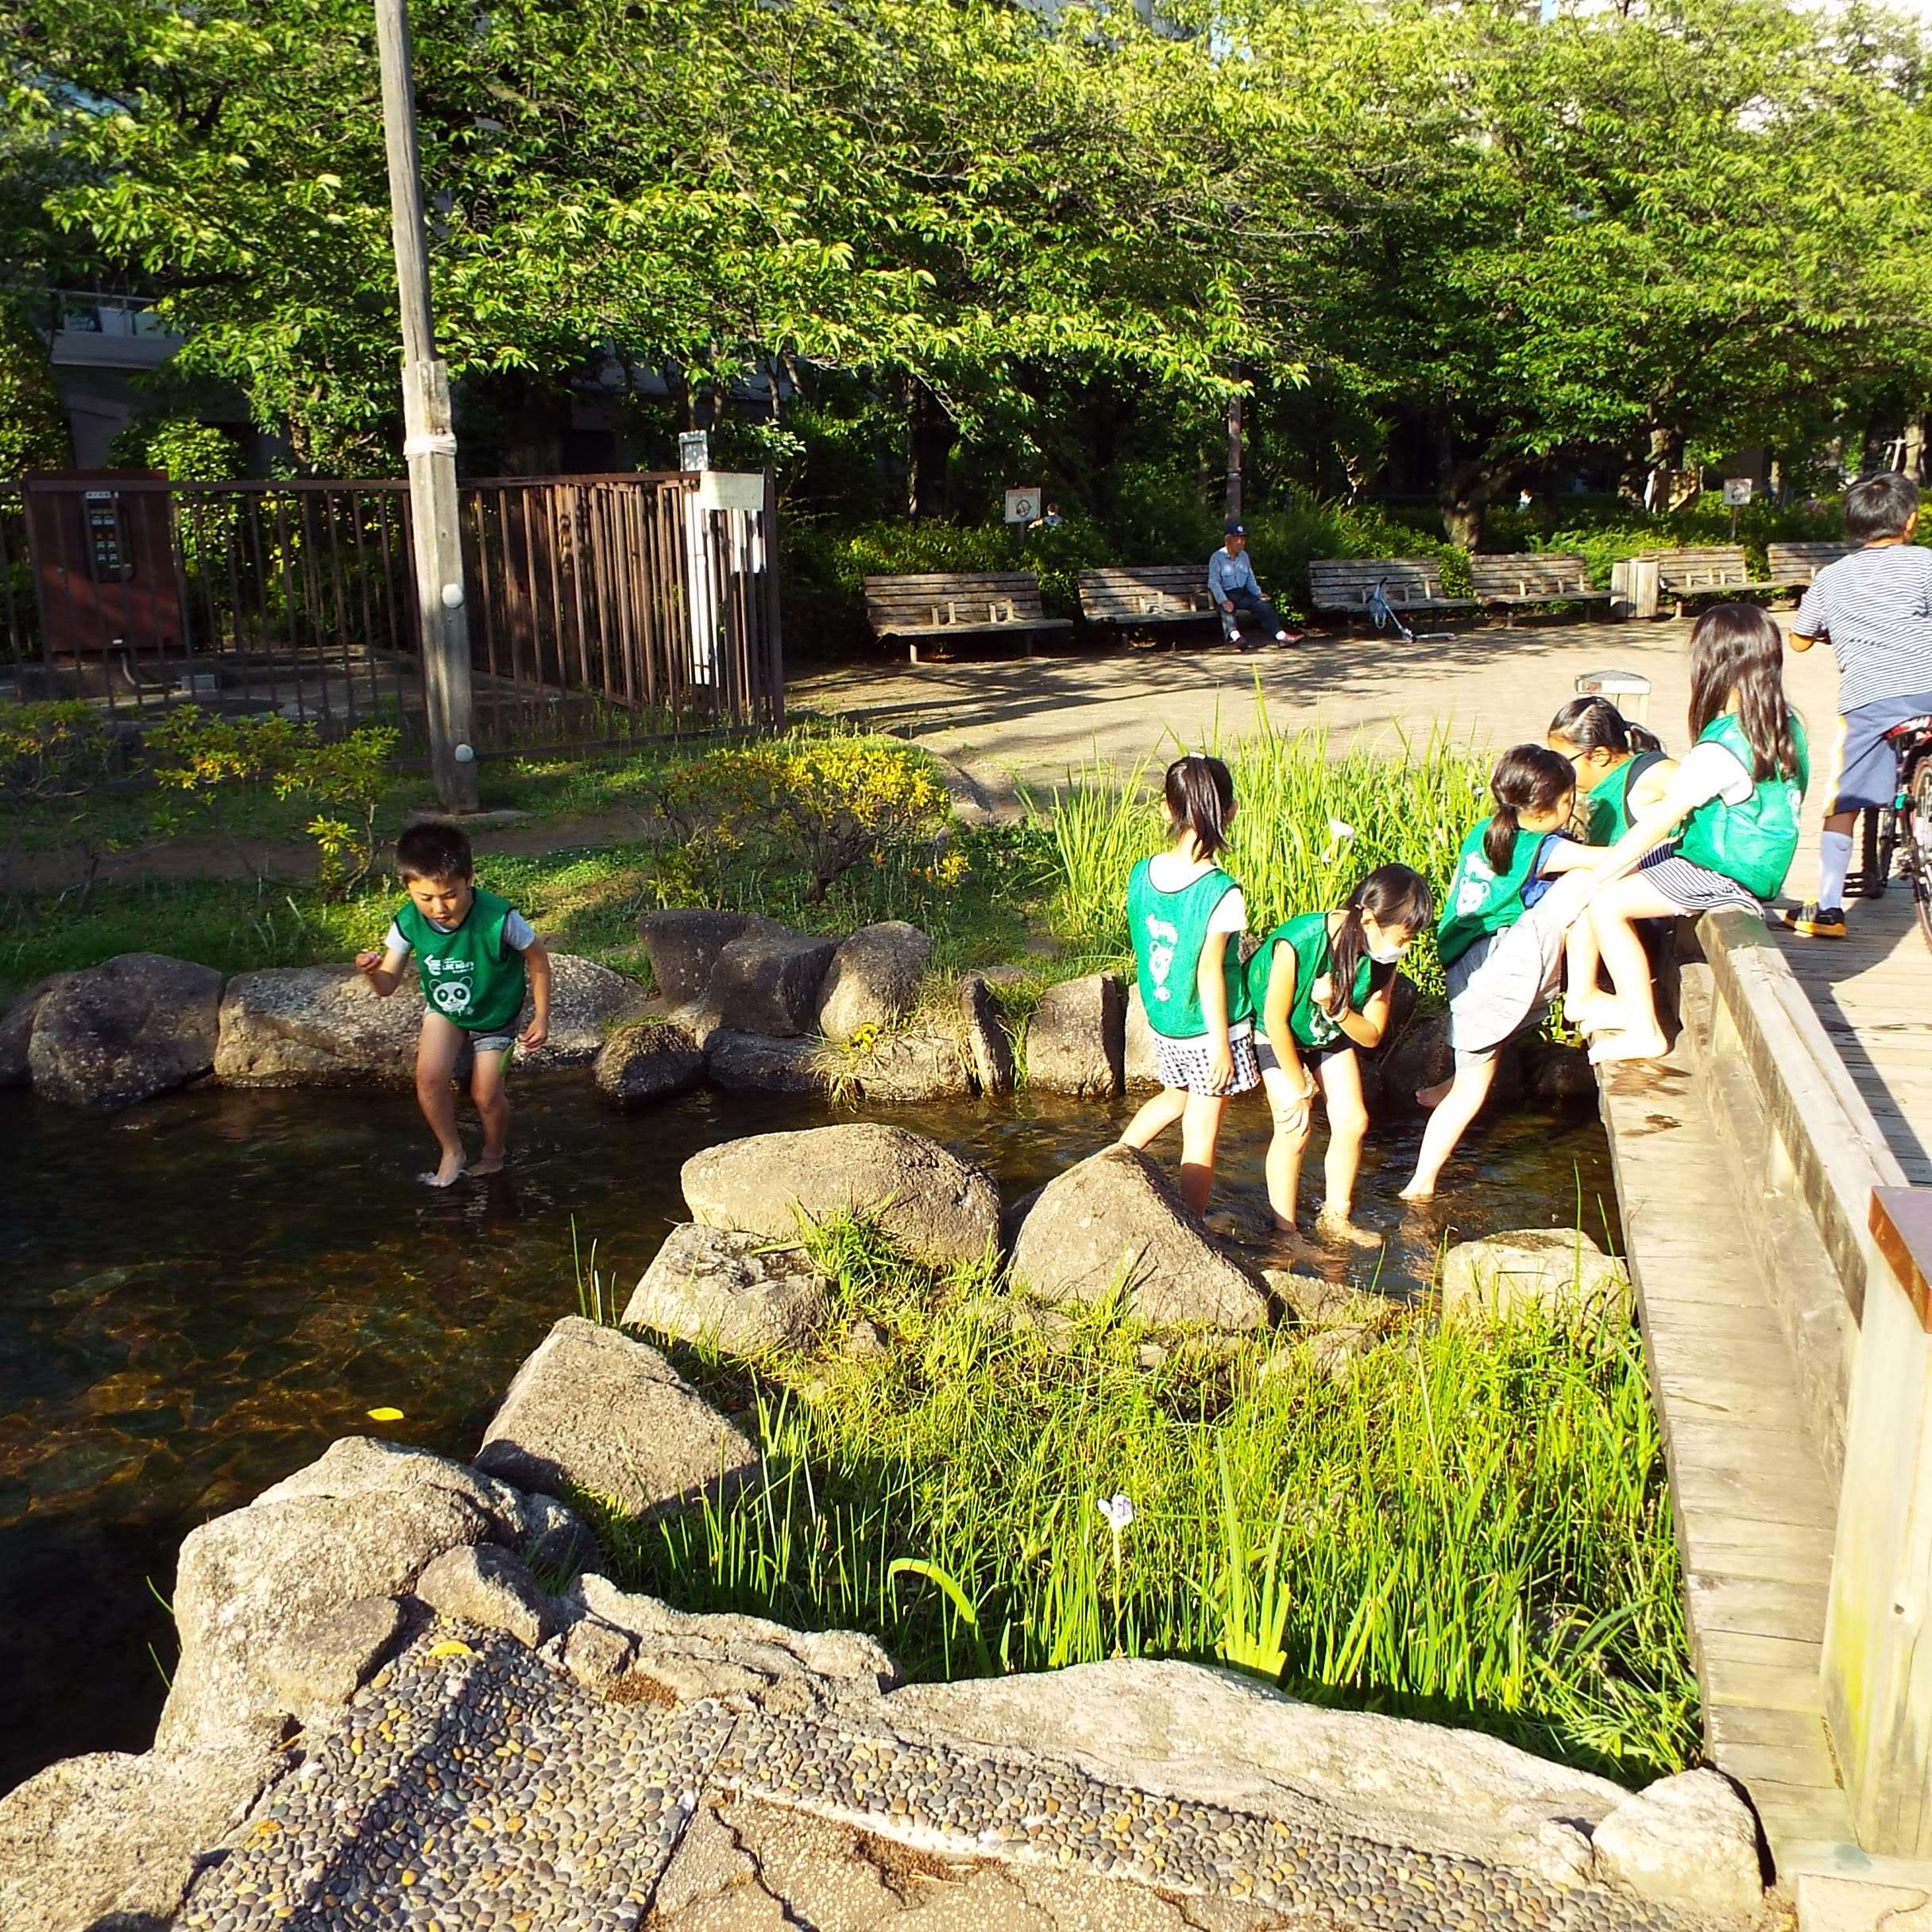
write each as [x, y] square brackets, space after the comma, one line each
[755, 1007]
[384, 1717]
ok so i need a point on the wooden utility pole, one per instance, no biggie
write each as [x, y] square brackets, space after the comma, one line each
[429, 439]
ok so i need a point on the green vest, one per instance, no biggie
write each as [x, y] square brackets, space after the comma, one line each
[469, 976]
[1169, 929]
[1482, 901]
[1753, 843]
[1306, 935]
[1607, 808]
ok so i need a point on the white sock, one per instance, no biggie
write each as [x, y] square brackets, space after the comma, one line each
[1834, 860]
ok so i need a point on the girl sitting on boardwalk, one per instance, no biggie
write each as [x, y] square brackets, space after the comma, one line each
[1320, 984]
[1187, 917]
[1501, 935]
[1735, 796]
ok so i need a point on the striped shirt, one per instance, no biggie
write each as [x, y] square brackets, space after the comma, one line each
[1876, 604]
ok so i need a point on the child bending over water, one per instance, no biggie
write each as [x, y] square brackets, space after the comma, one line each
[1501, 935]
[1321, 985]
[475, 954]
[1187, 917]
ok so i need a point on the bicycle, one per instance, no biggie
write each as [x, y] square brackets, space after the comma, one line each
[1901, 832]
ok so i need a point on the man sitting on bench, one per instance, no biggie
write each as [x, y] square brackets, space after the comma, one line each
[1238, 597]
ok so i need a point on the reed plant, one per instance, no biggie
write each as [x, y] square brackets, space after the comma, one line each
[1471, 1528]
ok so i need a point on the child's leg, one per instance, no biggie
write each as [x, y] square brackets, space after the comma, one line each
[1474, 1074]
[1200, 1127]
[1585, 1003]
[489, 1088]
[1614, 915]
[1155, 1117]
[440, 1043]
[1284, 1149]
[1340, 1075]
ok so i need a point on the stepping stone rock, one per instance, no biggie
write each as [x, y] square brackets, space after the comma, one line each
[594, 1409]
[1417, 1055]
[1142, 1068]
[1560, 1075]
[1116, 1219]
[125, 1030]
[1560, 1270]
[682, 945]
[317, 1026]
[986, 1044]
[938, 1207]
[739, 1292]
[647, 1061]
[587, 1002]
[873, 979]
[767, 982]
[1690, 1842]
[325, 1663]
[749, 1063]
[1077, 1039]
[913, 1067]
[17, 1028]
[481, 1584]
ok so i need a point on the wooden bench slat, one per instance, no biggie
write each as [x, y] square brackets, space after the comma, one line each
[1798, 563]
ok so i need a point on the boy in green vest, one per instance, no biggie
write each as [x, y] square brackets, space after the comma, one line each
[476, 956]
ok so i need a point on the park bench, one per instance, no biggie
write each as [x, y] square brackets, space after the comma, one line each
[1533, 576]
[1408, 583]
[1142, 593]
[1795, 565]
[938, 606]
[1706, 571]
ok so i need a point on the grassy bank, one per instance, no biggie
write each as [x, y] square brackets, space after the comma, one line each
[1471, 1530]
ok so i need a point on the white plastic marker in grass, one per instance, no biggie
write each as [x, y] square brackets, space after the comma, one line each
[1118, 1510]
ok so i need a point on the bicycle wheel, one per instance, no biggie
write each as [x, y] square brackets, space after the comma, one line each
[1889, 820]
[1918, 844]
[1874, 862]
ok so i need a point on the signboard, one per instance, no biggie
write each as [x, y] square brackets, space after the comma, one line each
[1023, 505]
[694, 450]
[1737, 491]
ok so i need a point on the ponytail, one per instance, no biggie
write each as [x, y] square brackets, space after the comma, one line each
[1391, 895]
[1200, 800]
[1528, 777]
[1643, 739]
[1594, 723]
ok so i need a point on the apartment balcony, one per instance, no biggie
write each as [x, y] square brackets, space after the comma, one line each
[91, 331]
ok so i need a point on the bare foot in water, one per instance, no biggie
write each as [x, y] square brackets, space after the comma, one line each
[490, 1164]
[1612, 1048]
[1415, 1191]
[1288, 1239]
[1429, 1099]
[1332, 1225]
[449, 1171]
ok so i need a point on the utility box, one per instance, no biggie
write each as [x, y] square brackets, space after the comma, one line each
[102, 544]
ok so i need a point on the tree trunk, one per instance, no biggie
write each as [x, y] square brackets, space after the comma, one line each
[931, 435]
[1233, 457]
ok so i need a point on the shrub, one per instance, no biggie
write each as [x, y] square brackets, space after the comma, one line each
[50, 755]
[190, 451]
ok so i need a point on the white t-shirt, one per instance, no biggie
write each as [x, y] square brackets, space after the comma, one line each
[1169, 872]
[518, 933]
[1712, 771]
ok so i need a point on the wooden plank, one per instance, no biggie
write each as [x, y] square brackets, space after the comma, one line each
[1726, 1492]
[1757, 1606]
[1748, 1546]
[1770, 1672]
[1796, 1815]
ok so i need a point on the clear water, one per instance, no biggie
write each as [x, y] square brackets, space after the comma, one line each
[197, 1296]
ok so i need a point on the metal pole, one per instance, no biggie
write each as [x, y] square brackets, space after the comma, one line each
[429, 441]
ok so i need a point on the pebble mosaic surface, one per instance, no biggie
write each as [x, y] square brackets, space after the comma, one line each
[484, 1789]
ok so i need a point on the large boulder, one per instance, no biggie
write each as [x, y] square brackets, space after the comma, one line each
[110, 1842]
[588, 1004]
[767, 982]
[1115, 1224]
[939, 1207]
[750, 1063]
[594, 1410]
[987, 1047]
[739, 1292]
[17, 1028]
[1559, 1270]
[316, 1026]
[1142, 1065]
[1417, 1055]
[682, 943]
[873, 979]
[1689, 1842]
[914, 1066]
[1077, 1039]
[649, 1061]
[125, 1030]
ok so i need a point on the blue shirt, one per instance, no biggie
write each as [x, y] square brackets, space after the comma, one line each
[1225, 573]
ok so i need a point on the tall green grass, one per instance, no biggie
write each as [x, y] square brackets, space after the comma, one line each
[1309, 824]
[1475, 1529]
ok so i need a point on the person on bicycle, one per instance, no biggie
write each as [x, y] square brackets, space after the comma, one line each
[1875, 609]
[1237, 594]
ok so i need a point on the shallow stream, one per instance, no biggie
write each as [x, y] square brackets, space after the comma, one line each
[198, 1296]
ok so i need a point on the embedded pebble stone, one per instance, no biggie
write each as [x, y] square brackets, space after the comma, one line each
[475, 1783]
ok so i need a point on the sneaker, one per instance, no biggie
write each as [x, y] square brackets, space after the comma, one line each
[1814, 921]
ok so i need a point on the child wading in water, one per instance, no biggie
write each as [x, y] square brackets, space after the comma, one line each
[1321, 985]
[1187, 917]
[1736, 796]
[475, 954]
[1501, 935]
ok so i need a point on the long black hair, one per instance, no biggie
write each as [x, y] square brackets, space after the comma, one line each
[1528, 777]
[1739, 647]
[1595, 724]
[1391, 895]
[1201, 799]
